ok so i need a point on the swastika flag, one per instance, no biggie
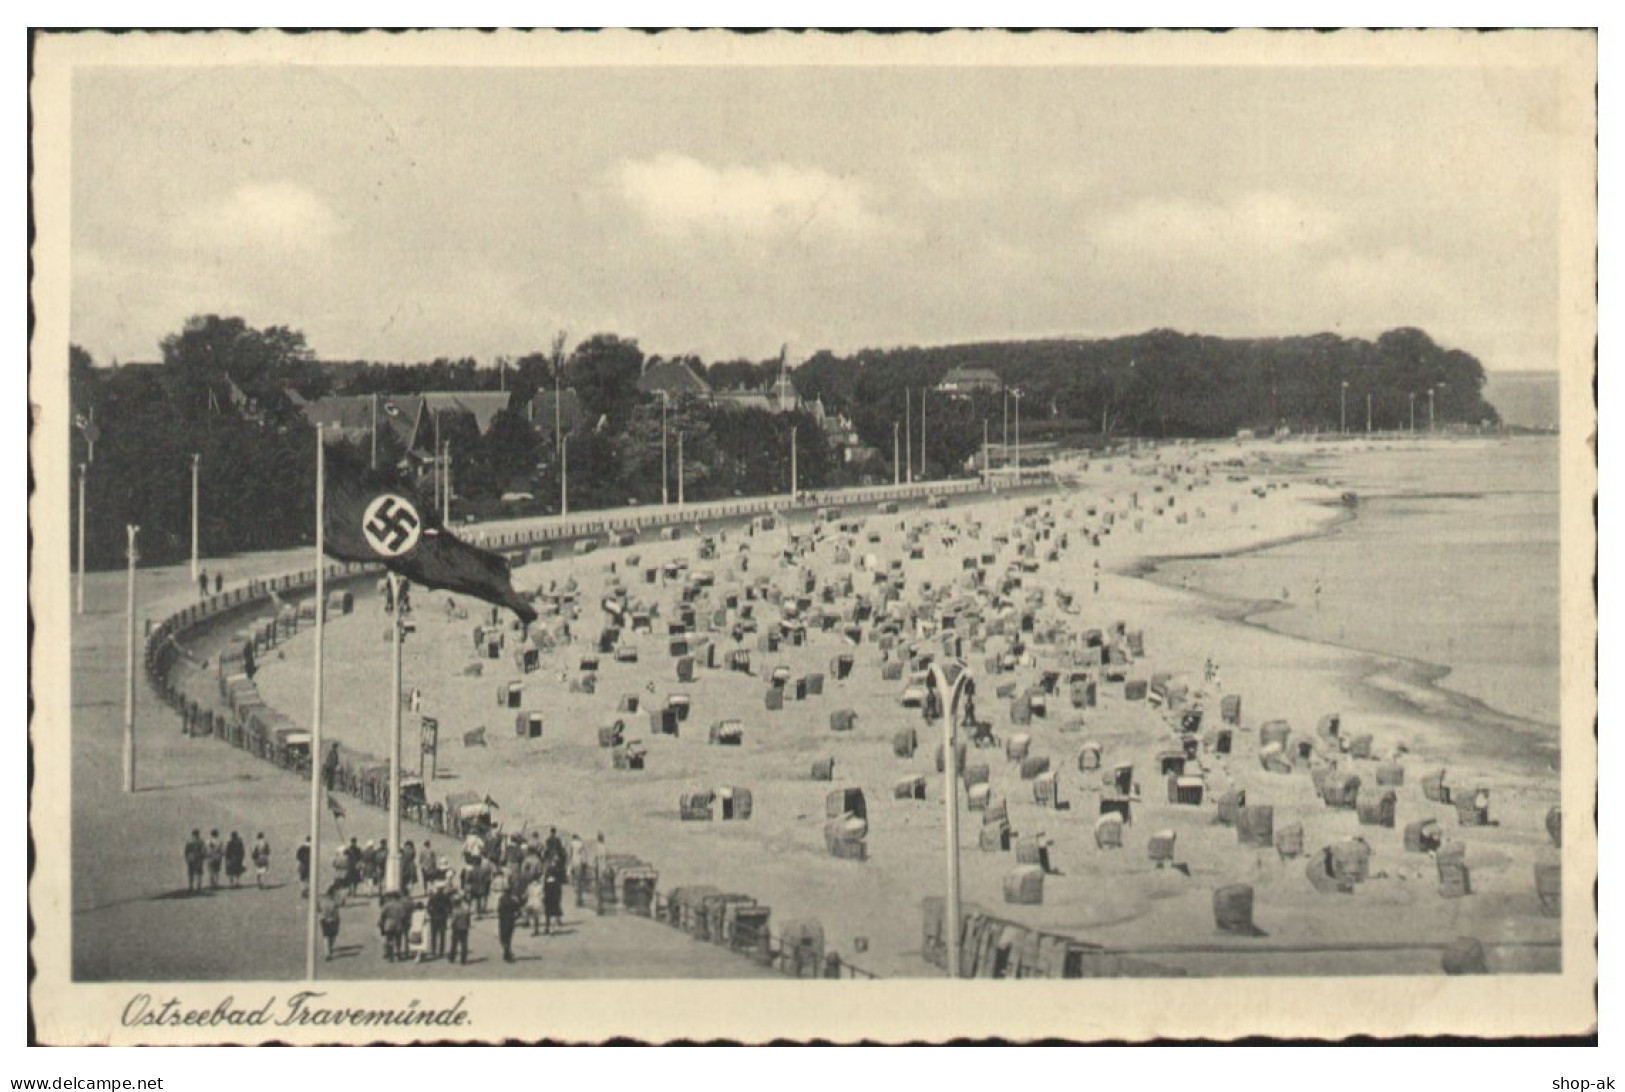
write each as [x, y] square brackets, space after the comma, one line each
[374, 516]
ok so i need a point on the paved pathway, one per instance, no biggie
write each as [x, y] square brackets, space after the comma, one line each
[132, 916]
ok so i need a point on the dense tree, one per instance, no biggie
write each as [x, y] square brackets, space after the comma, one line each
[605, 370]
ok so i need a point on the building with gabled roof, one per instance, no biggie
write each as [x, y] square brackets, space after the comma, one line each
[966, 379]
[674, 378]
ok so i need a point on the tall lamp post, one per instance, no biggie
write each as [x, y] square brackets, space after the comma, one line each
[896, 456]
[665, 472]
[1412, 396]
[196, 459]
[908, 419]
[680, 469]
[80, 592]
[924, 474]
[1019, 394]
[1343, 409]
[951, 680]
[130, 555]
[793, 486]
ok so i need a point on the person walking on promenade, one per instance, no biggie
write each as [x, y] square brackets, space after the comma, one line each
[214, 855]
[236, 856]
[438, 912]
[219, 583]
[508, 907]
[553, 898]
[194, 853]
[261, 853]
[203, 584]
[393, 921]
[327, 911]
[409, 867]
[301, 857]
[462, 919]
[578, 858]
[428, 866]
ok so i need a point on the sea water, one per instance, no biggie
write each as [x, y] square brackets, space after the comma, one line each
[1451, 560]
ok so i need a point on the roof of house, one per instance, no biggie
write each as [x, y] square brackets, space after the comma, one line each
[674, 377]
[571, 413]
[746, 400]
[484, 405]
[971, 376]
[351, 415]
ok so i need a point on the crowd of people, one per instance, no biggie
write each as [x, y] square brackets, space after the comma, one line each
[526, 877]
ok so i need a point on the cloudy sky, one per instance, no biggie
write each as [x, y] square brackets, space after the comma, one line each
[411, 213]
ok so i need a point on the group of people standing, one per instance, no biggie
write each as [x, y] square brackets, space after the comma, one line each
[526, 875]
[231, 856]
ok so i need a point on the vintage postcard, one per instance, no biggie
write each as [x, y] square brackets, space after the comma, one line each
[559, 536]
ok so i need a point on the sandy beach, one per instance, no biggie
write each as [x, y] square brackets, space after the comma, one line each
[1171, 502]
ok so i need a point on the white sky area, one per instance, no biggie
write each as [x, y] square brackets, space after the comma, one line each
[404, 214]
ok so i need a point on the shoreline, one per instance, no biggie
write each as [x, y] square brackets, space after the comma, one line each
[1417, 673]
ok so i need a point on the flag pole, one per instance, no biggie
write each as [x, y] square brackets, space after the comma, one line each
[564, 477]
[375, 432]
[196, 458]
[392, 863]
[129, 663]
[316, 706]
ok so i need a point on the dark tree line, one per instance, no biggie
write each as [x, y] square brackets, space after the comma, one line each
[1161, 383]
[221, 391]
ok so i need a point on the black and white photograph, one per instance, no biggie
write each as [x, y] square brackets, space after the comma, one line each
[648, 521]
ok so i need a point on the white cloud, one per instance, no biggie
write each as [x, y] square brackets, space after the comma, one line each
[278, 217]
[679, 195]
[1238, 229]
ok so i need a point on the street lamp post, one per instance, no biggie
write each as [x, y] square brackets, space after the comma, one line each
[665, 474]
[564, 477]
[80, 592]
[1343, 409]
[923, 471]
[1412, 396]
[679, 469]
[896, 456]
[948, 694]
[130, 555]
[196, 459]
[793, 489]
[1005, 443]
[1019, 395]
[908, 418]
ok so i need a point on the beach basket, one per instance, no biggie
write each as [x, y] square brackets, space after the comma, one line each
[977, 774]
[824, 769]
[1033, 765]
[1047, 789]
[528, 725]
[1423, 836]
[1274, 731]
[994, 837]
[905, 742]
[727, 733]
[1434, 788]
[1186, 790]
[1160, 849]
[1377, 810]
[1230, 805]
[1473, 808]
[1454, 878]
[909, 788]
[978, 797]
[1255, 826]
[1016, 747]
[1171, 762]
[1233, 910]
[1350, 861]
[1109, 831]
[843, 720]
[1464, 956]
[1089, 757]
[774, 699]
[1549, 887]
[1390, 775]
[1024, 885]
[1230, 709]
[1360, 746]
[1289, 841]
[1273, 759]
[1135, 690]
[736, 802]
